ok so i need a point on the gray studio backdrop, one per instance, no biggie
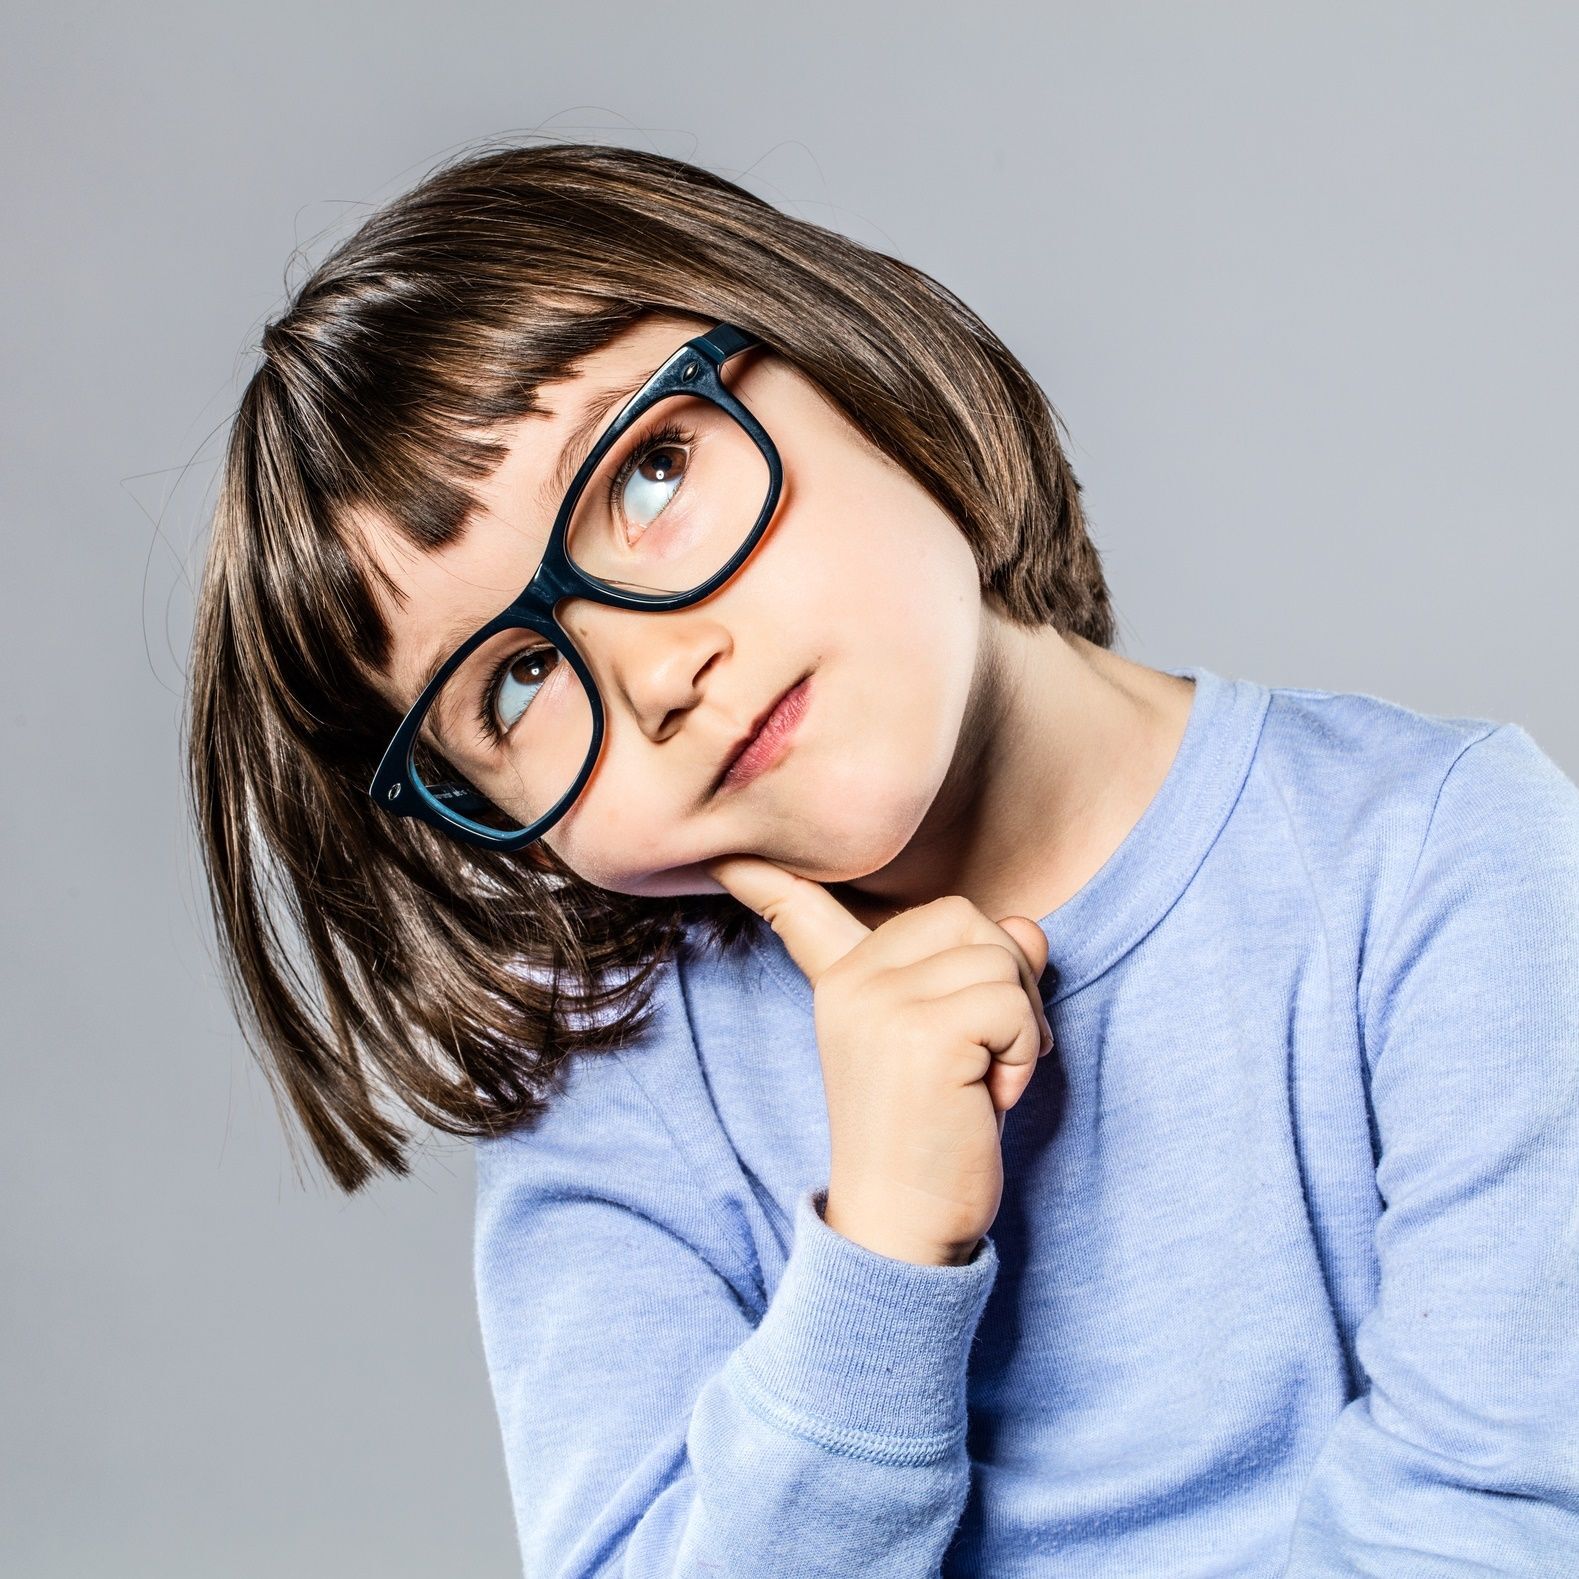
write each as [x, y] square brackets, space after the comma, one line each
[1299, 278]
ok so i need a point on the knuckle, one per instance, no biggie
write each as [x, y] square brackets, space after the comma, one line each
[848, 969]
[1005, 964]
[1011, 996]
[836, 972]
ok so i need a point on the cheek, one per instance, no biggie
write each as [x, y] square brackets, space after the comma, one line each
[599, 843]
[612, 840]
[909, 683]
[898, 666]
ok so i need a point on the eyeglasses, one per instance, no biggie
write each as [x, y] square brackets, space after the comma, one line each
[675, 494]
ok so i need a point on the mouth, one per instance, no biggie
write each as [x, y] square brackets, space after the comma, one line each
[767, 739]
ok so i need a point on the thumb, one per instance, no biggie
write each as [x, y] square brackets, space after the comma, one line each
[1032, 942]
[815, 928]
[1031, 938]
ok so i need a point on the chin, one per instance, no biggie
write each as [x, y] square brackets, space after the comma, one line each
[671, 883]
[848, 853]
[821, 849]
[818, 848]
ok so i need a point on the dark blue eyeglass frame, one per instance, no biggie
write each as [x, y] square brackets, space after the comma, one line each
[693, 370]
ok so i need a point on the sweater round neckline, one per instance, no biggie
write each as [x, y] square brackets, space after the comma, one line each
[1151, 867]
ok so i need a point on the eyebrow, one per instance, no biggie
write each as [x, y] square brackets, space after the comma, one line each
[458, 631]
[578, 443]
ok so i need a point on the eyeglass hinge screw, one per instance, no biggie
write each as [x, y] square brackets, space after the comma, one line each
[394, 792]
[688, 371]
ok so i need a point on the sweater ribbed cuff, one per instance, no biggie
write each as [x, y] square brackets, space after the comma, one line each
[862, 1352]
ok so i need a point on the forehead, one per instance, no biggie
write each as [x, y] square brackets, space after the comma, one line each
[435, 598]
[530, 479]
[475, 563]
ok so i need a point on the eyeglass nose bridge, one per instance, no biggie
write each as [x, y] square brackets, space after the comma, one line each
[558, 577]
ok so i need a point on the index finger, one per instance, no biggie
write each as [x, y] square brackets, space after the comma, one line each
[817, 930]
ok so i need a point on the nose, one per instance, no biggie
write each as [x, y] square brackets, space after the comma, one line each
[651, 665]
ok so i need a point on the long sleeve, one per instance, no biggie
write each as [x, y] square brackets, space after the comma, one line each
[653, 1425]
[1461, 1457]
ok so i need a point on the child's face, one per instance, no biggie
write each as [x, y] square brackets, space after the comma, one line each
[860, 578]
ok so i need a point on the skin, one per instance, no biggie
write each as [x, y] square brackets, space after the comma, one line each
[944, 750]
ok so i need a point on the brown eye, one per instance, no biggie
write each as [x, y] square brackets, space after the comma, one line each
[515, 683]
[650, 477]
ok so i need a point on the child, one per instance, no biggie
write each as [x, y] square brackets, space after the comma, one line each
[727, 884]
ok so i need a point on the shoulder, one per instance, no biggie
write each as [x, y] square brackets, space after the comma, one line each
[1366, 750]
[1354, 784]
[630, 1127]
[594, 1105]
[1357, 776]
[1362, 758]
[1501, 835]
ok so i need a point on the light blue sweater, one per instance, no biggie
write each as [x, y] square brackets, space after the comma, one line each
[1286, 1276]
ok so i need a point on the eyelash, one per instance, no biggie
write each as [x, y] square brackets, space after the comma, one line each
[670, 435]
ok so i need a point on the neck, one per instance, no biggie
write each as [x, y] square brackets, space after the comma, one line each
[1063, 747]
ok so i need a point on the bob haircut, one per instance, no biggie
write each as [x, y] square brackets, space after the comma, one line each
[458, 980]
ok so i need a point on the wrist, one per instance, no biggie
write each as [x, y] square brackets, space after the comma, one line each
[883, 1240]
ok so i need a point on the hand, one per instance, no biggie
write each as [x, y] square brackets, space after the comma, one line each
[929, 1028]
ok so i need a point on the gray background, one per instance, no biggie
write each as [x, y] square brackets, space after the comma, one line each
[1300, 280]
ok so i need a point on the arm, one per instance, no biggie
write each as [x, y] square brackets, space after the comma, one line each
[652, 1425]
[1462, 1457]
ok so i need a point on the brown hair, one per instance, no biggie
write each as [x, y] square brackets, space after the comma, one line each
[453, 978]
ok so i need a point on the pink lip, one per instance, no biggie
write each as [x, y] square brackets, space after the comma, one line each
[770, 741]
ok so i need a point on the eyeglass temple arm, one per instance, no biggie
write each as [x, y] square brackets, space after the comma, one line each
[459, 797]
[726, 340]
